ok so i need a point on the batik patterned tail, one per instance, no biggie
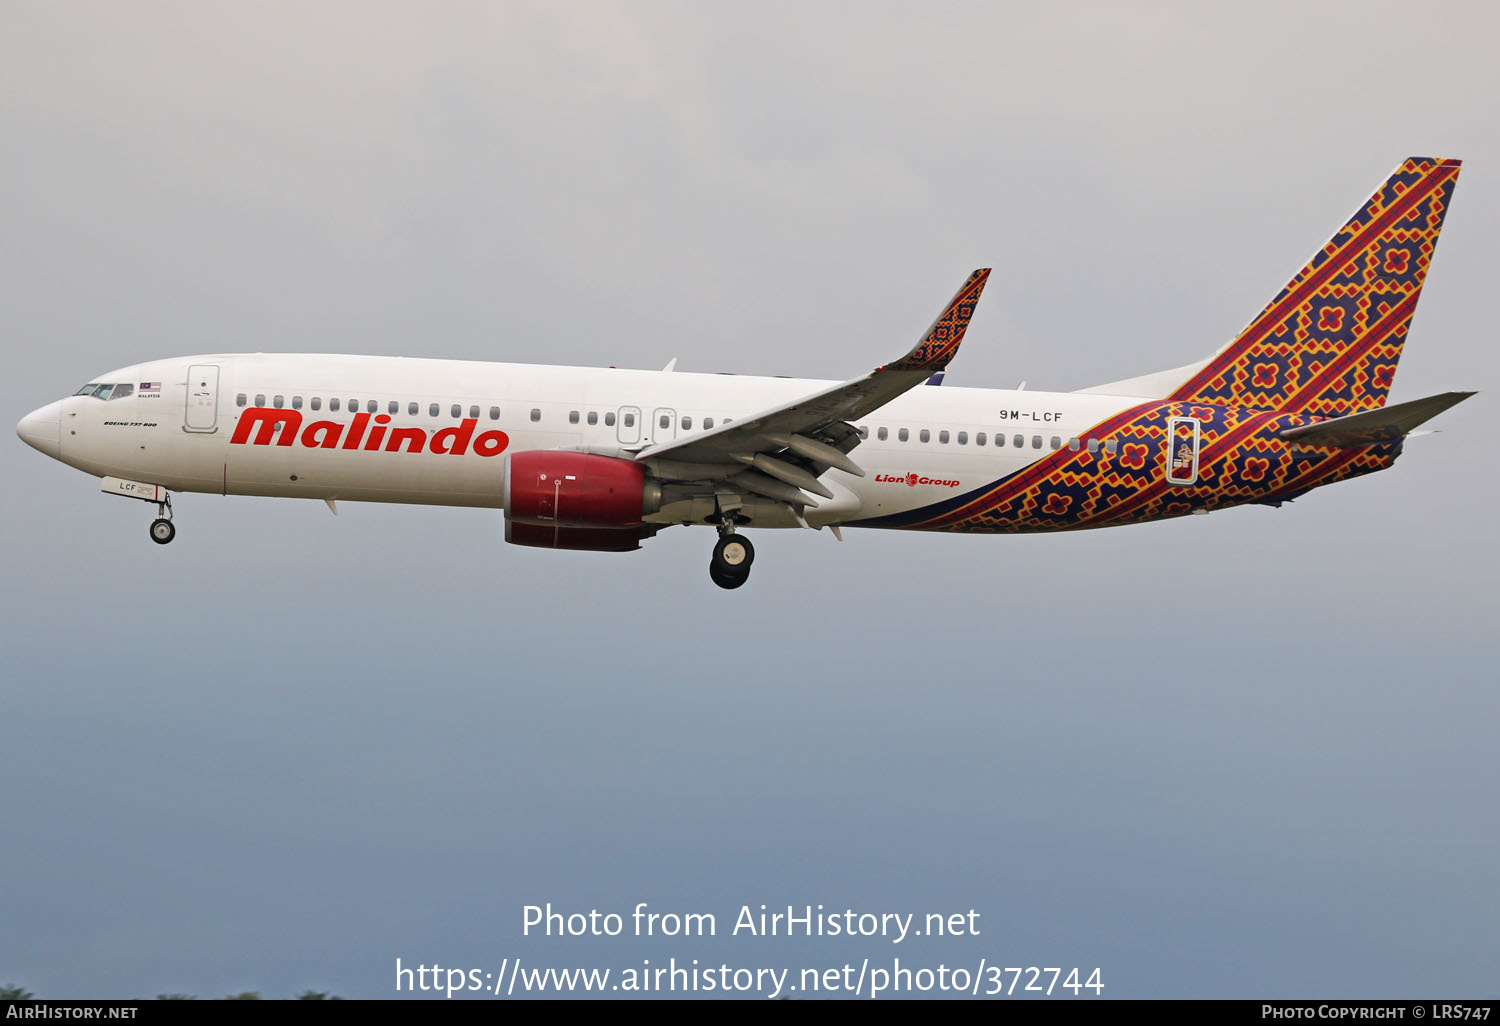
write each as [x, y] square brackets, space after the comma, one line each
[1328, 344]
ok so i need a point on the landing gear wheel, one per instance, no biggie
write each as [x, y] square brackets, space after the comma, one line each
[727, 580]
[734, 553]
[730, 566]
[162, 531]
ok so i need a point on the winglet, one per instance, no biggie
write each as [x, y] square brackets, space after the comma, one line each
[941, 342]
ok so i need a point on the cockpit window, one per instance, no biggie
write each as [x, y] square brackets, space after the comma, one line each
[106, 391]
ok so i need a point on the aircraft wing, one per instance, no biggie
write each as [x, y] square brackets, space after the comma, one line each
[1385, 424]
[781, 451]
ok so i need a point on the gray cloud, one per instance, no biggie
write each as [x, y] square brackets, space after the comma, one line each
[1243, 755]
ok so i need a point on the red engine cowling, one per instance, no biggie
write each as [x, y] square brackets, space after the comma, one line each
[587, 539]
[576, 500]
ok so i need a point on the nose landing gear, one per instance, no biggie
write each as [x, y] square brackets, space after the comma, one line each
[730, 566]
[162, 529]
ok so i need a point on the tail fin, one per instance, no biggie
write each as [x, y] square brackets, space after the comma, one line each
[1328, 344]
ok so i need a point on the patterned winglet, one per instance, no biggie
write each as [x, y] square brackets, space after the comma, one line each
[941, 342]
[1329, 342]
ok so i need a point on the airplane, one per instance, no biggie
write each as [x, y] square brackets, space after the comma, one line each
[602, 459]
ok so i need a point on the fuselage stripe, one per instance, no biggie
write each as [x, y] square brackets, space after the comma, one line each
[1008, 487]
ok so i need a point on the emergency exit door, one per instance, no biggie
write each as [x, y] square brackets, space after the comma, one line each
[202, 398]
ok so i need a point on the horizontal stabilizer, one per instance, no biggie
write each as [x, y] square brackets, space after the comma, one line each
[1383, 425]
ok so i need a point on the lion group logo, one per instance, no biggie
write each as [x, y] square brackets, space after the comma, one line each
[912, 480]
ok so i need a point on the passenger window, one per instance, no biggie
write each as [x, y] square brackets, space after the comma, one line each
[943, 437]
[317, 402]
[353, 405]
[882, 433]
[1111, 446]
[572, 416]
[687, 423]
[903, 434]
[296, 402]
[411, 409]
[979, 438]
[593, 418]
[926, 435]
[277, 401]
[609, 420]
[708, 423]
[1019, 441]
[1056, 442]
[664, 421]
[1094, 445]
[393, 407]
[1073, 445]
[333, 405]
[239, 400]
[456, 411]
[494, 413]
[629, 418]
[473, 413]
[371, 406]
[864, 432]
[963, 438]
[536, 416]
[1036, 441]
[260, 399]
[432, 409]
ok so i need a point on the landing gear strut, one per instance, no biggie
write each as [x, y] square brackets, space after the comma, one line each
[162, 530]
[730, 566]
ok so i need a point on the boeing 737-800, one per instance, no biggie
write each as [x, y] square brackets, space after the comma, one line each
[601, 459]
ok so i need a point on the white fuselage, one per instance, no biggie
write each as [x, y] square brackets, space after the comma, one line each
[928, 445]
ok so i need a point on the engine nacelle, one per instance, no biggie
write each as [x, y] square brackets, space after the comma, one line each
[577, 500]
[586, 539]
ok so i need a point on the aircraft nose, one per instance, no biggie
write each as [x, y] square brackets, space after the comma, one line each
[42, 429]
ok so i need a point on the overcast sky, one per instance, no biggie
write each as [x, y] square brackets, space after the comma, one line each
[1247, 755]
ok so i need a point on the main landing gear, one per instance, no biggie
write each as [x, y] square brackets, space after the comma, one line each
[730, 565]
[162, 529]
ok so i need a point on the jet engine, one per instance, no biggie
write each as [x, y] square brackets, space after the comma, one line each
[576, 500]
